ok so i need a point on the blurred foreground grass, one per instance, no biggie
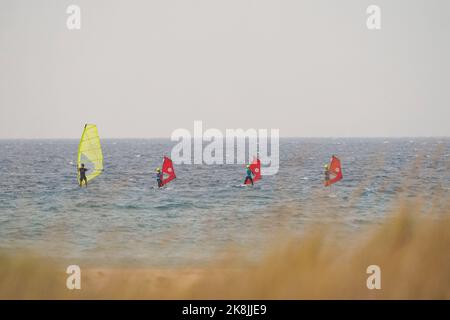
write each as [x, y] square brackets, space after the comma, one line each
[411, 247]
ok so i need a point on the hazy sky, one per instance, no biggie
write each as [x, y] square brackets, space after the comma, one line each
[145, 68]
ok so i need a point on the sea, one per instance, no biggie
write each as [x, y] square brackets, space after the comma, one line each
[121, 217]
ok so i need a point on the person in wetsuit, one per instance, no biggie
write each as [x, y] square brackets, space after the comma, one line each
[326, 173]
[82, 172]
[249, 176]
[159, 177]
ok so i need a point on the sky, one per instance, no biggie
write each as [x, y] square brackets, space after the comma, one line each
[142, 69]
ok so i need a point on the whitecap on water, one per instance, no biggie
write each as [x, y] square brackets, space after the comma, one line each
[332, 195]
[242, 186]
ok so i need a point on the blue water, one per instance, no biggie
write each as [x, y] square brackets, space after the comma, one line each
[122, 217]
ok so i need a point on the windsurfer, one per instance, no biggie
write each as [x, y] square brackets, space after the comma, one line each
[249, 176]
[326, 173]
[82, 172]
[159, 177]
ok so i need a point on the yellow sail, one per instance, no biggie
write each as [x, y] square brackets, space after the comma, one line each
[90, 152]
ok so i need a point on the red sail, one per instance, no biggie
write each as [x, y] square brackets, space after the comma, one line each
[255, 167]
[168, 171]
[335, 171]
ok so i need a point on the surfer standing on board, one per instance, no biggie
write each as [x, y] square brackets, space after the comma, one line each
[82, 172]
[249, 176]
[159, 177]
[326, 173]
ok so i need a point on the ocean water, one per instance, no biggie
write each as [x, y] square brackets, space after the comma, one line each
[122, 217]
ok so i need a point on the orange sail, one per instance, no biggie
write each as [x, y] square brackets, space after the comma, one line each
[335, 171]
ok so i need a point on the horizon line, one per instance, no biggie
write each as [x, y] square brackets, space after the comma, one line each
[281, 137]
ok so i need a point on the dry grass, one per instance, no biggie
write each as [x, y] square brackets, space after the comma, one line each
[410, 246]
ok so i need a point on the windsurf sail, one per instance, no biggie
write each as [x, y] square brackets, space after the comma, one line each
[255, 167]
[168, 171]
[335, 171]
[90, 152]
